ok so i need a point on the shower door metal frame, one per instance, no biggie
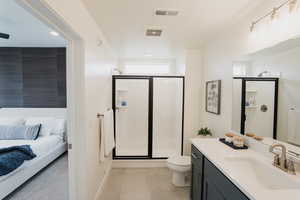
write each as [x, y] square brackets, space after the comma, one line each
[150, 115]
[243, 102]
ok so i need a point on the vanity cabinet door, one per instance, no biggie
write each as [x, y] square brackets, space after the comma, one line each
[197, 174]
[211, 191]
[216, 186]
[196, 189]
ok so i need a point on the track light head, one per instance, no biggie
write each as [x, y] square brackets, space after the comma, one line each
[292, 5]
[273, 14]
[252, 26]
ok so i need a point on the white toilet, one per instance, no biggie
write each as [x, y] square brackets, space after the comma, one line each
[181, 167]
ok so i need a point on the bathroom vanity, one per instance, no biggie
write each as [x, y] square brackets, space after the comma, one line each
[221, 173]
[208, 182]
[266, 109]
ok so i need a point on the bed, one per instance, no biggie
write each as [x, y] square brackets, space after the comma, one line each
[47, 149]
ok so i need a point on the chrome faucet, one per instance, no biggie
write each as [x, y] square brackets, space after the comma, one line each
[282, 158]
[282, 162]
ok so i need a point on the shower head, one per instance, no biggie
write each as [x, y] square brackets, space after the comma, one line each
[262, 73]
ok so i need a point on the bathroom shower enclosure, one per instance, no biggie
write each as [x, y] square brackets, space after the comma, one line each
[258, 100]
[148, 116]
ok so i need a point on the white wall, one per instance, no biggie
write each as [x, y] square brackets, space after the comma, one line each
[173, 69]
[193, 95]
[97, 76]
[228, 46]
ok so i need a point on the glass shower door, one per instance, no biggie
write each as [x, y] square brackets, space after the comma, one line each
[167, 116]
[132, 113]
[260, 107]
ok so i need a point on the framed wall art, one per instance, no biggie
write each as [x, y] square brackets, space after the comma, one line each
[213, 97]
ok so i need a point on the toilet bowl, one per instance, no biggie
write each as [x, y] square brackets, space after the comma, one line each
[181, 168]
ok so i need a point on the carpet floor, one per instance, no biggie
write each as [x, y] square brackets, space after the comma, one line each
[49, 184]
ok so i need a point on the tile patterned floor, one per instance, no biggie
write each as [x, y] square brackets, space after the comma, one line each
[142, 184]
[123, 184]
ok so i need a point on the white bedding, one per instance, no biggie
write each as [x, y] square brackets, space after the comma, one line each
[40, 147]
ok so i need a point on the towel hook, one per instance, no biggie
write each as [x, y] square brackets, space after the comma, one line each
[99, 115]
[102, 115]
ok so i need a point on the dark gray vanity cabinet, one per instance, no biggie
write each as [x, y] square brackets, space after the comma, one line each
[209, 183]
[216, 186]
[197, 174]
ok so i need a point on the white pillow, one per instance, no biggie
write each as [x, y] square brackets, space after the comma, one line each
[60, 127]
[48, 124]
[12, 121]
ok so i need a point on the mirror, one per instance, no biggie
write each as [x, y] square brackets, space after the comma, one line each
[266, 93]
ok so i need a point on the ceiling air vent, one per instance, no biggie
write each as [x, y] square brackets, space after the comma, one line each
[153, 32]
[166, 12]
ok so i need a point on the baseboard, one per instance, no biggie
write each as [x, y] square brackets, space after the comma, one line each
[104, 181]
[138, 163]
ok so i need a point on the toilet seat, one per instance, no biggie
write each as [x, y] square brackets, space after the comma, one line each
[183, 161]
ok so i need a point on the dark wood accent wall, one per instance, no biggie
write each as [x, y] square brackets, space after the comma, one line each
[32, 77]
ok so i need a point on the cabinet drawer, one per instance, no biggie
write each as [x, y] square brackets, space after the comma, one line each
[223, 184]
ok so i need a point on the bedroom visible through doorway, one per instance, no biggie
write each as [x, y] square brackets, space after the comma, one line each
[33, 107]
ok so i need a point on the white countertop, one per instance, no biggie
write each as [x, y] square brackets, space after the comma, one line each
[244, 178]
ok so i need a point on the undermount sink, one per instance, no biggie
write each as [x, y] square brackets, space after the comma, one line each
[264, 174]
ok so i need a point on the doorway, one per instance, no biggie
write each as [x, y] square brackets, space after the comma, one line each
[74, 73]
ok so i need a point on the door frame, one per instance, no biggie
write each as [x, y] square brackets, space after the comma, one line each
[243, 101]
[150, 115]
[75, 85]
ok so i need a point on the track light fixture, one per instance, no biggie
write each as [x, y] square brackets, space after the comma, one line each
[273, 14]
[4, 36]
[290, 3]
[252, 26]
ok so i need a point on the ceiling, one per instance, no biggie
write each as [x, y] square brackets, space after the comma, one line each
[124, 23]
[24, 29]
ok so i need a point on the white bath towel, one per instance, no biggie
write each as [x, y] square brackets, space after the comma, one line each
[107, 139]
[109, 132]
[294, 127]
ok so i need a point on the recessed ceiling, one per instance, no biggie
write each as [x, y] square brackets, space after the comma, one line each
[124, 23]
[24, 29]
